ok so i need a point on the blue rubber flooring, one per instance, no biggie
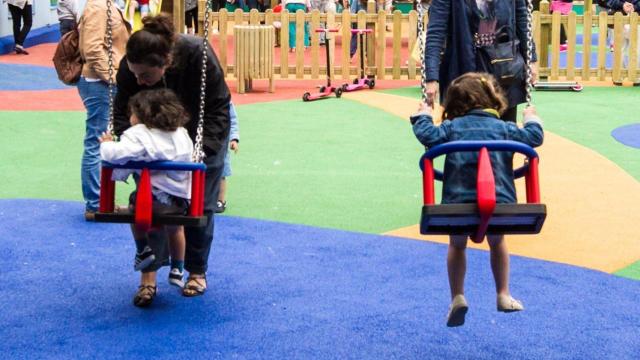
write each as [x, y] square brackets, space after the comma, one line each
[289, 291]
[29, 77]
[628, 135]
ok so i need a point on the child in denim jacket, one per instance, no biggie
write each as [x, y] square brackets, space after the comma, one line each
[472, 109]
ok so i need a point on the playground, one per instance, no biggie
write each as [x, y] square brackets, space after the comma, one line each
[319, 253]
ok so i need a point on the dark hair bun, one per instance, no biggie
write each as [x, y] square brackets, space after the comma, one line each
[153, 44]
[160, 24]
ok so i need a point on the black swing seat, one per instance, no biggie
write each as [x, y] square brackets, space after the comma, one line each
[467, 218]
[147, 217]
[126, 216]
[458, 219]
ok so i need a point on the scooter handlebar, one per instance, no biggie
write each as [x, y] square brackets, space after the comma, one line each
[361, 31]
[326, 30]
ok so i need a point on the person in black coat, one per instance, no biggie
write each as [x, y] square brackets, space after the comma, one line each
[157, 57]
[450, 49]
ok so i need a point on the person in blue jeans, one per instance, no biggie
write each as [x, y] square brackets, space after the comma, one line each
[93, 88]
[472, 108]
[234, 145]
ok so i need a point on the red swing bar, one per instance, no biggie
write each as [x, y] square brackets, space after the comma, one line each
[143, 215]
[485, 216]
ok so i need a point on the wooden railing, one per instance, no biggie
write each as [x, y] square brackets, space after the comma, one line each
[389, 52]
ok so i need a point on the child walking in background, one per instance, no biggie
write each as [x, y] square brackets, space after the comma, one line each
[234, 144]
[472, 108]
[156, 133]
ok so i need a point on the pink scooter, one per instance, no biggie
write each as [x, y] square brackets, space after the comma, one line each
[327, 90]
[363, 81]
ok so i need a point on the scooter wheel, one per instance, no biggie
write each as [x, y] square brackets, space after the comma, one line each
[322, 89]
[355, 81]
[577, 88]
[338, 92]
[305, 96]
[372, 83]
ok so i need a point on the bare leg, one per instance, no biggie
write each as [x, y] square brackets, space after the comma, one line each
[500, 263]
[456, 265]
[177, 242]
[148, 278]
[223, 189]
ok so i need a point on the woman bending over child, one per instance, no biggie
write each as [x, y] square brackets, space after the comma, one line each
[156, 133]
[473, 105]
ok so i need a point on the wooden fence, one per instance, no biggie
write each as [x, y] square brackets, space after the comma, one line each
[389, 52]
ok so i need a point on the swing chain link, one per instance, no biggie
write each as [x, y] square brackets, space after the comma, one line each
[110, 64]
[198, 152]
[529, 74]
[421, 44]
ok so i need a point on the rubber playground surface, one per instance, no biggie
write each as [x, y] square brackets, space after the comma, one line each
[319, 254]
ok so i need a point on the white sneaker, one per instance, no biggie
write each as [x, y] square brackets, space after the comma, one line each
[507, 304]
[457, 310]
[176, 277]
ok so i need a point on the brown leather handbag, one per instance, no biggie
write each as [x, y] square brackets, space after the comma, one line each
[67, 60]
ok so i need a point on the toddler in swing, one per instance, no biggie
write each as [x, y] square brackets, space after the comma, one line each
[472, 108]
[156, 133]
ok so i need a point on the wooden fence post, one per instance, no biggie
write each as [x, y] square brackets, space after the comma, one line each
[284, 44]
[545, 32]
[633, 48]
[413, 37]
[346, 44]
[586, 45]
[397, 44]
[618, 28]
[371, 38]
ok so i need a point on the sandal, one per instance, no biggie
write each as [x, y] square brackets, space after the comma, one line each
[144, 296]
[194, 287]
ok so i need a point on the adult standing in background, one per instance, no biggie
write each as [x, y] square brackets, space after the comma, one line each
[22, 20]
[460, 28]
[93, 88]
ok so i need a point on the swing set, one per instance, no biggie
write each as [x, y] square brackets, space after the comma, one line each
[484, 217]
[143, 216]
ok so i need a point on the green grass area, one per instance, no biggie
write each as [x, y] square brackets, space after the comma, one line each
[332, 163]
[41, 155]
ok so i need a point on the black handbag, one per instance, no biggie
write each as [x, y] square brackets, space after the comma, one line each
[502, 58]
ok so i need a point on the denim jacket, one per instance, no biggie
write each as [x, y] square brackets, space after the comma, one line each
[460, 168]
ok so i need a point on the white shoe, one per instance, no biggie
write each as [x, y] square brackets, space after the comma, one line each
[457, 310]
[505, 303]
[176, 277]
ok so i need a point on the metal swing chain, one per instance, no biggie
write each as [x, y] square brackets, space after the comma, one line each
[198, 153]
[110, 62]
[423, 68]
[529, 51]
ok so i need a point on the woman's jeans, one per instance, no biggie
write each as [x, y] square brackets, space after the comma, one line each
[292, 26]
[18, 15]
[95, 97]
